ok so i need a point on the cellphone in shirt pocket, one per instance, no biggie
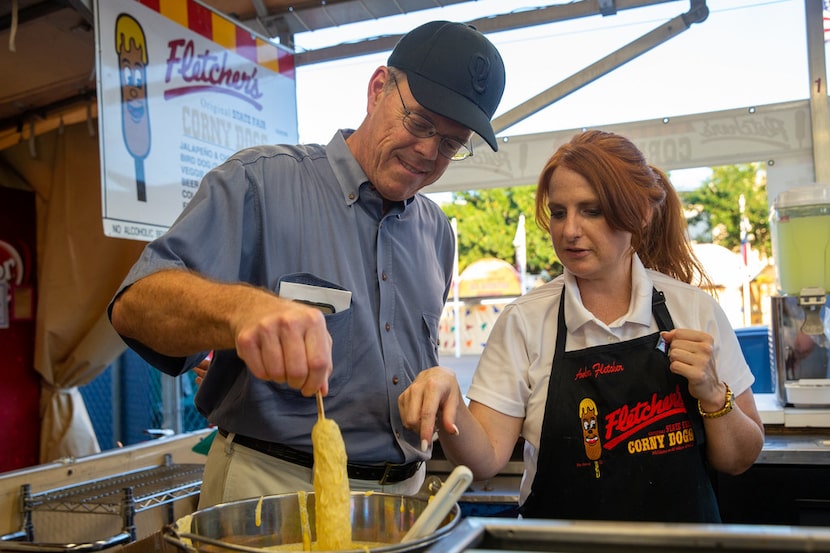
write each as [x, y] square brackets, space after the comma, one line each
[335, 303]
[311, 290]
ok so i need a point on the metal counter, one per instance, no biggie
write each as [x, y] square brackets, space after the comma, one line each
[782, 446]
[479, 535]
[809, 447]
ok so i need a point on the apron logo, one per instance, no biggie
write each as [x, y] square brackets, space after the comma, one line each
[623, 423]
[674, 437]
[590, 431]
[626, 421]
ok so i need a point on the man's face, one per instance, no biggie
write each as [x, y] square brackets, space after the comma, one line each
[398, 163]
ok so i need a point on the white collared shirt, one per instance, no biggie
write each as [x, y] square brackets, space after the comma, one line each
[514, 369]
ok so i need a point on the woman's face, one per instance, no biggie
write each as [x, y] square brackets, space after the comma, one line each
[580, 234]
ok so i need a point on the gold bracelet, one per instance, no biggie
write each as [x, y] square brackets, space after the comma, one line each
[720, 412]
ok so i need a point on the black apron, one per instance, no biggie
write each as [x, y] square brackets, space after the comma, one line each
[622, 438]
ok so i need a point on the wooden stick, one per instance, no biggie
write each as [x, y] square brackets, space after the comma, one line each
[321, 413]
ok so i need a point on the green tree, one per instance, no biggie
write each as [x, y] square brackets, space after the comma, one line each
[714, 208]
[487, 221]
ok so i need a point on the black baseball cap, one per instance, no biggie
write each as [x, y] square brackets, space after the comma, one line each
[454, 71]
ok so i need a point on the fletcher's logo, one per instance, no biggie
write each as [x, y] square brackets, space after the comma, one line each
[209, 72]
[622, 423]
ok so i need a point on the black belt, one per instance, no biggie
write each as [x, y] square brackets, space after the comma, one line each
[388, 473]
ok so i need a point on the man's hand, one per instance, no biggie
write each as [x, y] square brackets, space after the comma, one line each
[179, 313]
[288, 345]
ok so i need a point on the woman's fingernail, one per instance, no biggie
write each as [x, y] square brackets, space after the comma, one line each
[455, 430]
[424, 445]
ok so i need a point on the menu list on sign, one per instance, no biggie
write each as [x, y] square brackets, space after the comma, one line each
[209, 135]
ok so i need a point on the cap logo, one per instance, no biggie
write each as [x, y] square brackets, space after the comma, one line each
[479, 68]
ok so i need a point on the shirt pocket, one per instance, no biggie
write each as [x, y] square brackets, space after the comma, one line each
[340, 327]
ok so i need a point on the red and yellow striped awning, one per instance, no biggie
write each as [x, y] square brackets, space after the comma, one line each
[225, 33]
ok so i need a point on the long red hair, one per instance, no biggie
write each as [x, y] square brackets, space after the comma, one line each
[635, 197]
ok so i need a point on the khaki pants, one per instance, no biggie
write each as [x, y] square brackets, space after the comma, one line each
[234, 472]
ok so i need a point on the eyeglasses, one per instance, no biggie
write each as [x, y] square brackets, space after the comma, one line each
[421, 127]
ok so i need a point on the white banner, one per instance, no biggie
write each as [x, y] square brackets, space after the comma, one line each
[777, 134]
[180, 88]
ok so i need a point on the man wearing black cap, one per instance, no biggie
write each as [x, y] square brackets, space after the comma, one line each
[343, 232]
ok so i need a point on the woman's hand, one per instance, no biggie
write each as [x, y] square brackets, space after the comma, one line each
[691, 353]
[434, 394]
[733, 441]
[479, 437]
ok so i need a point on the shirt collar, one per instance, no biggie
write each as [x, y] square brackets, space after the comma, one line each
[639, 310]
[348, 172]
[345, 167]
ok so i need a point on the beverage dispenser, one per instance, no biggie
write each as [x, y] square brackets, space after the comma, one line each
[800, 227]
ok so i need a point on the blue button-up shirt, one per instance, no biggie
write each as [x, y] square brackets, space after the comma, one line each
[308, 214]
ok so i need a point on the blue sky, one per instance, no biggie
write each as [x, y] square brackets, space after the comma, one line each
[747, 52]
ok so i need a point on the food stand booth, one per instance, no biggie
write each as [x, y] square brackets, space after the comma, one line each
[781, 504]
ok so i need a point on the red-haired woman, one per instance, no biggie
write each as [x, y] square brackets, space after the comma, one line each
[625, 379]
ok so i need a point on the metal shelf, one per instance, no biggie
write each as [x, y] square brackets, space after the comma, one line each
[124, 495]
[150, 487]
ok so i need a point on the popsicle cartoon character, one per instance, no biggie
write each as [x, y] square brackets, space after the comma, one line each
[590, 431]
[131, 47]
